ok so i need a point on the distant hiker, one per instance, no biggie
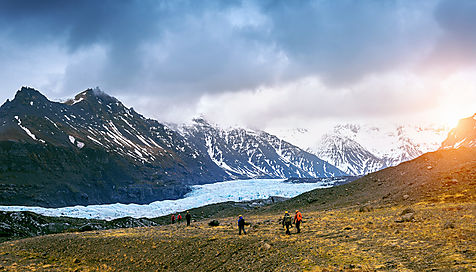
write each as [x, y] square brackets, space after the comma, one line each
[179, 218]
[188, 217]
[298, 221]
[287, 222]
[241, 225]
[173, 218]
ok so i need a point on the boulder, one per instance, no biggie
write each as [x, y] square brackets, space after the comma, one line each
[366, 209]
[214, 223]
[407, 210]
[408, 217]
[86, 227]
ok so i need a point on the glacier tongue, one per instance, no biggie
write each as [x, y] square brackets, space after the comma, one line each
[201, 195]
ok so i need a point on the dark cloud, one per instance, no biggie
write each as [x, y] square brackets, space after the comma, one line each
[199, 48]
[187, 48]
[456, 44]
[344, 40]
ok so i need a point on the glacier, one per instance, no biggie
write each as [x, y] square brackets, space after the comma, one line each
[201, 195]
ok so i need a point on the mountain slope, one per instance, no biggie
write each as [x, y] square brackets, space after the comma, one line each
[464, 134]
[94, 150]
[91, 150]
[348, 155]
[444, 175]
[245, 153]
[337, 232]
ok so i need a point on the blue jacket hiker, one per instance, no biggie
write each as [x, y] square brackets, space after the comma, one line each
[241, 224]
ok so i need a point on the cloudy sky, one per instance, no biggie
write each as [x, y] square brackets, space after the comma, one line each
[261, 64]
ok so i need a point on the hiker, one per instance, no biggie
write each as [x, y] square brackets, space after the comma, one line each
[287, 222]
[173, 218]
[188, 217]
[179, 218]
[241, 225]
[298, 221]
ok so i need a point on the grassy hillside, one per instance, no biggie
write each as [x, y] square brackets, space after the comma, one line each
[418, 216]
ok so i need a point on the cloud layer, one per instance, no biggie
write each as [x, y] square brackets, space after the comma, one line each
[260, 62]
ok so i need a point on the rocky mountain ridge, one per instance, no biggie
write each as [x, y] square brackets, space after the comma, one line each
[463, 135]
[94, 150]
[247, 153]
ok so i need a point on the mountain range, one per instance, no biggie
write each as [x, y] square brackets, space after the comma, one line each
[94, 150]
[359, 149]
[246, 153]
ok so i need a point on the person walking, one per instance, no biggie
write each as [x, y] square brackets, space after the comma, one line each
[287, 222]
[241, 225]
[188, 217]
[298, 220]
[173, 218]
[179, 218]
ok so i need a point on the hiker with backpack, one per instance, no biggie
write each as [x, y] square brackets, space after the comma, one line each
[287, 222]
[241, 225]
[173, 218]
[179, 218]
[188, 217]
[298, 220]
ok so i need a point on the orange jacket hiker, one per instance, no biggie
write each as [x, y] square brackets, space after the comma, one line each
[298, 221]
[297, 217]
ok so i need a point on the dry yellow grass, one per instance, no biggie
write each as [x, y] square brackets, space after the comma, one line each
[441, 238]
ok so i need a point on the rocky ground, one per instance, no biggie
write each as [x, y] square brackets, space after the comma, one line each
[17, 225]
[419, 216]
[437, 237]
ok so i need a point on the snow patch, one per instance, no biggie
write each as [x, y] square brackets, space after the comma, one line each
[26, 129]
[79, 144]
[77, 100]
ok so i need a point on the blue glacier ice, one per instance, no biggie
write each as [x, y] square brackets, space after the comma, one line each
[201, 195]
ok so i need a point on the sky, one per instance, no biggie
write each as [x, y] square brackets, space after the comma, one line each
[259, 64]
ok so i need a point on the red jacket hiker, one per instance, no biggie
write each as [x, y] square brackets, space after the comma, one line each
[298, 221]
[179, 218]
[173, 218]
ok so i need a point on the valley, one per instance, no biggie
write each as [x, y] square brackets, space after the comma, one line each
[201, 195]
[417, 216]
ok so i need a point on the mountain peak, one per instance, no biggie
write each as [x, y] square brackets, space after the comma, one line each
[201, 121]
[28, 94]
[92, 95]
[464, 134]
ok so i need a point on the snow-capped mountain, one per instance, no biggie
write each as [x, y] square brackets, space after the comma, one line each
[94, 150]
[464, 134]
[247, 153]
[362, 148]
[348, 155]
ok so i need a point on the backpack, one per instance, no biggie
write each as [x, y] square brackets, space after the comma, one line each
[298, 217]
[287, 219]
